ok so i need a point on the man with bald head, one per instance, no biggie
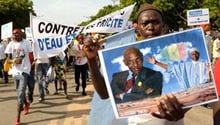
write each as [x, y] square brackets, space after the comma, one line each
[145, 82]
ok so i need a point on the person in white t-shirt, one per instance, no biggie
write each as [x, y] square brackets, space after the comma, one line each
[18, 51]
[80, 65]
[150, 24]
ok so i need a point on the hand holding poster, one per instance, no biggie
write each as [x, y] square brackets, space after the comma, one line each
[186, 73]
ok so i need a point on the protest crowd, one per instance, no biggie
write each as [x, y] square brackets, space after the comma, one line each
[28, 68]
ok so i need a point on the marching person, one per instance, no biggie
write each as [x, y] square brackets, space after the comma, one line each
[18, 51]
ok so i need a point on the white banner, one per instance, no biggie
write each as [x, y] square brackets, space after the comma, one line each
[45, 47]
[6, 30]
[114, 22]
[42, 28]
[50, 39]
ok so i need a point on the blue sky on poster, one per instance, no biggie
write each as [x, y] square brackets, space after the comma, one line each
[112, 58]
[69, 12]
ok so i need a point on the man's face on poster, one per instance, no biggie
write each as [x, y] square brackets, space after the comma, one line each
[134, 63]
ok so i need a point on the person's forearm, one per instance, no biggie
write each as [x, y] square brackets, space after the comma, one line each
[9, 58]
[97, 79]
[161, 64]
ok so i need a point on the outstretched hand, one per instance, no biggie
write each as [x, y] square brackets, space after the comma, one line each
[169, 108]
[151, 60]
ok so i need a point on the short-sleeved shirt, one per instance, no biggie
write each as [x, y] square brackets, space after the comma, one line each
[80, 60]
[22, 48]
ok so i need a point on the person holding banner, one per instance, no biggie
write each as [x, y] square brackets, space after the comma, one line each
[150, 24]
[42, 66]
[18, 51]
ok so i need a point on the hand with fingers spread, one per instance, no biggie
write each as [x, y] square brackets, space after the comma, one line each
[169, 108]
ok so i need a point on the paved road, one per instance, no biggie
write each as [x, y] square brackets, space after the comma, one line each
[56, 110]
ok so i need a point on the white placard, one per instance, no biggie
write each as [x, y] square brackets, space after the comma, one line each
[6, 30]
[198, 17]
[28, 32]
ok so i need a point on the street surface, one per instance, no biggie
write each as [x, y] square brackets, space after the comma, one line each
[56, 110]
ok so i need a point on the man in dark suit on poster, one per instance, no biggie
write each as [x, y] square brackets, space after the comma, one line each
[138, 82]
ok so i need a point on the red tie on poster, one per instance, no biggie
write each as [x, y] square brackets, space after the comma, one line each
[129, 83]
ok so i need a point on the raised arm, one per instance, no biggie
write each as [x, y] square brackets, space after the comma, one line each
[152, 60]
[91, 51]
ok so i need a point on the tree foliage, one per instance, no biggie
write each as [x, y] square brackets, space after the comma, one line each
[16, 11]
[175, 11]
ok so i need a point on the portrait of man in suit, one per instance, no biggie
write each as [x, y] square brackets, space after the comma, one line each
[138, 82]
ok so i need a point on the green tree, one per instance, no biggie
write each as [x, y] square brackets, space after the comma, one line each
[16, 11]
[214, 12]
[175, 11]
